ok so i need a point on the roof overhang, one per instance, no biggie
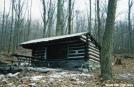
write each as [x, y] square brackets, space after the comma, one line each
[27, 44]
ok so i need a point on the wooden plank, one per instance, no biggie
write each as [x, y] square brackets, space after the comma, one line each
[94, 61]
[94, 58]
[57, 43]
[80, 44]
[39, 51]
[45, 54]
[93, 51]
[85, 38]
[77, 47]
[94, 40]
[76, 51]
[93, 54]
[93, 48]
[90, 43]
[77, 57]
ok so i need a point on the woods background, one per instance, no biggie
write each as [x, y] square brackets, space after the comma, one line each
[61, 17]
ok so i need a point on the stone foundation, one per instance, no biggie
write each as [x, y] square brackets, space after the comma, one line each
[68, 64]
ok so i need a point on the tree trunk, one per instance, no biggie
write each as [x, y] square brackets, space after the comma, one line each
[99, 22]
[11, 32]
[130, 26]
[69, 18]
[2, 32]
[89, 19]
[107, 46]
[59, 24]
[44, 17]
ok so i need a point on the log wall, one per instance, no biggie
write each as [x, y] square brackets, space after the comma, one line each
[84, 48]
[93, 48]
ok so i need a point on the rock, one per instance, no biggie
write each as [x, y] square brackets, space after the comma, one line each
[42, 70]
[2, 77]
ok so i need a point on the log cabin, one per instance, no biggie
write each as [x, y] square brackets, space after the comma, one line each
[63, 51]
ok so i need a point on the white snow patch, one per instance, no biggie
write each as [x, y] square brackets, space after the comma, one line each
[37, 77]
[80, 82]
[2, 77]
[112, 63]
[43, 81]
[32, 84]
[11, 84]
[55, 76]
[40, 69]
[24, 64]
[126, 75]
[77, 75]
[51, 79]
[10, 75]
[65, 74]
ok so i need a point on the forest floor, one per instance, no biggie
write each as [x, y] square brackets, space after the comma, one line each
[123, 76]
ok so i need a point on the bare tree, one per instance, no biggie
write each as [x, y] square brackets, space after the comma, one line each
[18, 7]
[44, 17]
[29, 20]
[89, 19]
[130, 4]
[106, 50]
[99, 22]
[59, 22]
[69, 18]
[3, 24]
[11, 31]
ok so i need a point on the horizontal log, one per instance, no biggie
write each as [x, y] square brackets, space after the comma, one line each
[38, 52]
[76, 51]
[85, 38]
[77, 47]
[93, 51]
[78, 44]
[93, 54]
[98, 45]
[93, 48]
[94, 61]
[90, 43]
[94, 58]
[57, 43]
[77, 57]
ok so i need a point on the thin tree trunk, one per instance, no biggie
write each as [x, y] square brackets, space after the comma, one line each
[29, 21]
[44, 17]
[69, 18]
[99, 22]
[59, 24]
[10, 38]
[3, 24]
[90, 24]
[130, 3]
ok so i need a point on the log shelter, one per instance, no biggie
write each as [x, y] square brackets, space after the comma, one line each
[77, 47]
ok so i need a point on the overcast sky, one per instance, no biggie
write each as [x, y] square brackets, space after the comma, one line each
[81, 5]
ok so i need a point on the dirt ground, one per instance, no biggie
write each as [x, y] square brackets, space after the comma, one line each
[123, 76]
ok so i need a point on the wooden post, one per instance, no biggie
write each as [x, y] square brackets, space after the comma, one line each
[86, 47]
